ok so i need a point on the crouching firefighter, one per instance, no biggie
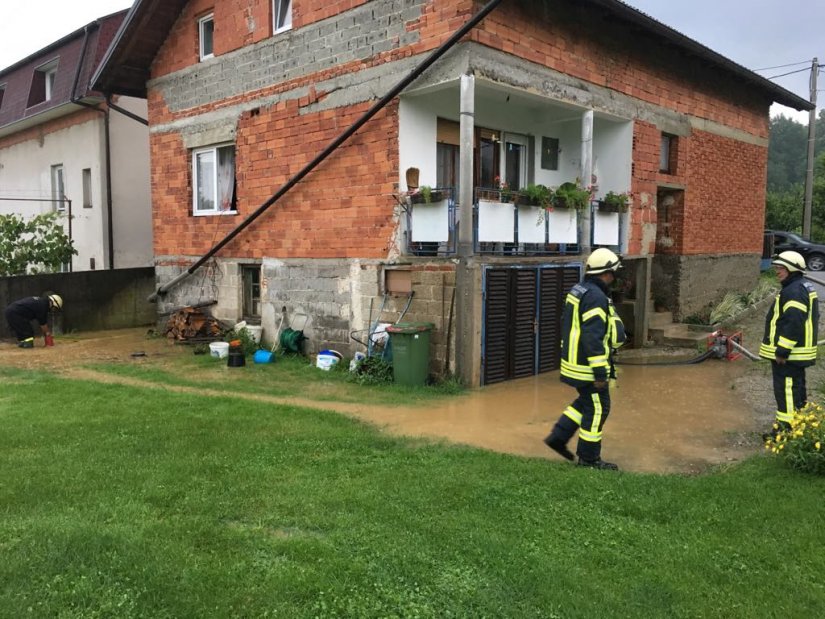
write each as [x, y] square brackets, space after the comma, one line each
[22, 312]
[790, 338]
[591, 333]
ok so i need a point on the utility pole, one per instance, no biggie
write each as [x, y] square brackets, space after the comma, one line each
[809, 177]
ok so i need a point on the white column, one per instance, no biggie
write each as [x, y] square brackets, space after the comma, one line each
[587, 175]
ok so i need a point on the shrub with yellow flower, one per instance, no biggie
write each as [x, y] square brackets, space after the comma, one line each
[801, 445]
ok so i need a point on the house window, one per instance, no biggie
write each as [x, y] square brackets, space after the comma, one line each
[447, 154]
[58, 189]
[206, 31]
[42, 86]
[87, 188]
[282, 15]
[251, 278]
[515, 161]
[487, 158]
[2, 92]
[214, 180]
[549, 153]
[667, 153]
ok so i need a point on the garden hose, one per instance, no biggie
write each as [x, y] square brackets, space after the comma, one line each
[705, 355]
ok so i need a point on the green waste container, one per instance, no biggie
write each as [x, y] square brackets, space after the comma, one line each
[410, 352]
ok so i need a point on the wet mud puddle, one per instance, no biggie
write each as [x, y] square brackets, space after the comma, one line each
[663, 418]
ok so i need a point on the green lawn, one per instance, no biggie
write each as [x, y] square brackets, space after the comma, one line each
[125, 502]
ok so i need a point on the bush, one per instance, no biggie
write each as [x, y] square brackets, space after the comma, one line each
[248, 343]
[800, 446]
[372, 371]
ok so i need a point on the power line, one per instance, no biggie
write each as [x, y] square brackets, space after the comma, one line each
[789, 73]
[782, 66]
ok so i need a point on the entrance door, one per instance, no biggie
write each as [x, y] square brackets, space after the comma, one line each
[514, 162]
[522, 320]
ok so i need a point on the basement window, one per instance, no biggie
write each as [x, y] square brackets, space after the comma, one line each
[251, 278]
[42, 86]
[213, 179]
[206, 32]
[281, 15]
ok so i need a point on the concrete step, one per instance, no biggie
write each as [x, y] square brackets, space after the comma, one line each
[681, 336]
[660, 320]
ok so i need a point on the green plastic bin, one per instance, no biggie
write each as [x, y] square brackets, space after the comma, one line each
[410, 352]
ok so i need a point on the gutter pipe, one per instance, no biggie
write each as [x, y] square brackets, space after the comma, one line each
[378, 106]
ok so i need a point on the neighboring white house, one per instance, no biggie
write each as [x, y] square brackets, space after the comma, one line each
[64, 149]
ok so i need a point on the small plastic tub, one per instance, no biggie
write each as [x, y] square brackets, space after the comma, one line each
[325, 361]
[219, 350]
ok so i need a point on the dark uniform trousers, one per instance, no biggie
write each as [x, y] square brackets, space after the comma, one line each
[789, 389]
[21, 325]
[587, 414]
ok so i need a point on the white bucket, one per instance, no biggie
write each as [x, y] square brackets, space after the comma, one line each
[325, 362]
[255, 332]
[219, 350]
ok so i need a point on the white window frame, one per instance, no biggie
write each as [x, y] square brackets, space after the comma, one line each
[50, 77]
[276, 12]
[524, 142]
[201, 24]
[216, 210]
[58, 175]
[2, 94]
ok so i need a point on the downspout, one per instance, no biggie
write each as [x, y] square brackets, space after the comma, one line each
[76, 100]
[377, 107]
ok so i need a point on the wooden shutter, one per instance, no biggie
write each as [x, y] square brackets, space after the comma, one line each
[495, 326]
[522, 341]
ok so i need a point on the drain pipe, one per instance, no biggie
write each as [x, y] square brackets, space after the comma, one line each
[377, 107]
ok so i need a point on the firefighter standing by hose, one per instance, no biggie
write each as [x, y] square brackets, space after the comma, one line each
[591, 331]
[791, 327]
[22, 312]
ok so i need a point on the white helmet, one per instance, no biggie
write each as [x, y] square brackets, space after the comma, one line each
[602, 260]
[56, 301]
[791, 260]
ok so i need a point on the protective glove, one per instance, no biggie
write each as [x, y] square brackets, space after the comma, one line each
[49, 340]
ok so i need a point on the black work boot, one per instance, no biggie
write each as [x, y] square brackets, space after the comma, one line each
[771, 434]
[560, 447]
[599, 464]
[26, 343]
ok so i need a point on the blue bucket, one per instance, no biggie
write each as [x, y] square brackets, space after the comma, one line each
[263, 356]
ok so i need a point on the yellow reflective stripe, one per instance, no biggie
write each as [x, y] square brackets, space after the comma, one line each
[774, 318]
[597, 361]
[786, 417]
[596, 311]
[575, 332]
[573, 414]
[579, 372]
[789, 408]
[809, 323]
[794, 305]
[593, 434]
[785, 342]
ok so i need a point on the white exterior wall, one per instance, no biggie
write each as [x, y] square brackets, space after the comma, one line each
[417, 134]
[612, 155]
[131, 186]
[25, 172]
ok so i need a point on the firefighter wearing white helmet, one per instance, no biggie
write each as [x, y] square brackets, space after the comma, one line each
[591, 333]
[789, 342]
[22, 312]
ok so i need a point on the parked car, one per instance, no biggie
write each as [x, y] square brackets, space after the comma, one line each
[813, 253]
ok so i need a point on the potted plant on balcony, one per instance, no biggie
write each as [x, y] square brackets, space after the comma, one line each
[536, 195]
[614, 202]
[570, 195]
[426, 195]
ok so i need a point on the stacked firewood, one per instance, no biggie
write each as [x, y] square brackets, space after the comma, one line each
[191, 324]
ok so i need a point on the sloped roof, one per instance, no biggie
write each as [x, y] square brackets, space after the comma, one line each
[126, 68]
[75, 57]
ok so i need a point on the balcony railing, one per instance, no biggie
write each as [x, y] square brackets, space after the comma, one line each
[502, 227]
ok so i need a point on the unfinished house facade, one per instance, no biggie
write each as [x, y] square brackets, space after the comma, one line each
[62, 150]
[568, 94]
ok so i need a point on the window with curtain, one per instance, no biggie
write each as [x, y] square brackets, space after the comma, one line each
[214, 180]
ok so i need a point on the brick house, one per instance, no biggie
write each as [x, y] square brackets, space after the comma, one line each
[242, 97]
[61, 150]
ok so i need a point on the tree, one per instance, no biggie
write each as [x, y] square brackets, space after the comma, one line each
[787, 153]
[36, 245]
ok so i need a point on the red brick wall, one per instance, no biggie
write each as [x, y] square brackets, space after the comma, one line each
[325, 217]
[343, 209]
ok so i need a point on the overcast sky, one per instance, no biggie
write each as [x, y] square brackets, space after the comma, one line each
[754, 33]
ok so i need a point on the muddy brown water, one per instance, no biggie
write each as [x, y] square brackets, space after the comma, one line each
[664, 419]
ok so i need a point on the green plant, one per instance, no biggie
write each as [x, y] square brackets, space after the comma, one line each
[570, 195]
[427, 193]
[538, 195]
[372, 371]
[800, 446]
[248, 343]
[616, 201]
[731, 305]
[35, 245]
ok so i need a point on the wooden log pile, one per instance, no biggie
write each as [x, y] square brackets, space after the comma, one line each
[192, 325]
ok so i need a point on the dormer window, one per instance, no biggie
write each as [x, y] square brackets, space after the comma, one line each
[206, 31]
[2, 92]
[43, 82]
[282, 15]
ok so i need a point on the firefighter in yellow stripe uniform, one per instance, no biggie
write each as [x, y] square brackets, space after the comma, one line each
[790, 338]
[591, 332]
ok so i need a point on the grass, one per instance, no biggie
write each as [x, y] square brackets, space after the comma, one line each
[119, 501]
[289, 376]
